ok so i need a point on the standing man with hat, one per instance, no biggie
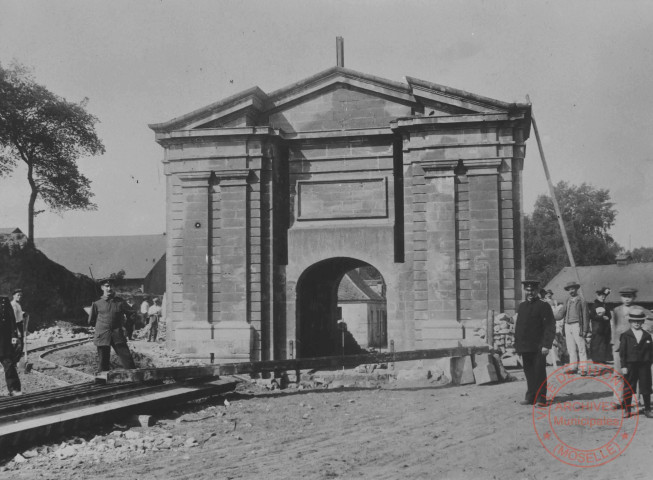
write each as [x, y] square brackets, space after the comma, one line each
[619, 323]
[636, 356]
[16, 297]
[108, 315]
[8, 341]
[600, 351]
[577, 327]
[534, 332]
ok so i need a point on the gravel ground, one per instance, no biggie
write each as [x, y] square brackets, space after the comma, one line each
[352, 429]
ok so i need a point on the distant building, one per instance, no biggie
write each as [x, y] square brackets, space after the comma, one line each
[620, 274]
[363, 310]
[99, 257]
[12, 235]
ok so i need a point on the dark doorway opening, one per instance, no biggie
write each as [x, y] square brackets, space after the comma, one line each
[334, 291]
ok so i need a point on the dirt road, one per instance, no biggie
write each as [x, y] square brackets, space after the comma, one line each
[400, 431]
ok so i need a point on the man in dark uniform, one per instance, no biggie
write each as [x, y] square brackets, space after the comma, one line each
[534, 332]
[8, 341]
[108, 316]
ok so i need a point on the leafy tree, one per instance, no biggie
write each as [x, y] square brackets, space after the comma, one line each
[49, 134]
[118, 276]
[641, 255]
[588, 216]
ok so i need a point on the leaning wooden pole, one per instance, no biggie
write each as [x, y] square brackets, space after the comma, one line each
[563, 230]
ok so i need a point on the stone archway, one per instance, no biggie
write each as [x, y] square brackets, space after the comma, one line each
[317, 308]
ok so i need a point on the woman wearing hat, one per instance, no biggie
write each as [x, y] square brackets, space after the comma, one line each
[600, 315]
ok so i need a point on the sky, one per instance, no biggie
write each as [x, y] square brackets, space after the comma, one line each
[586, 65]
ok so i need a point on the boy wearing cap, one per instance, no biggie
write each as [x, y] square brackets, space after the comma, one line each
[108, 315]
[600, 316]
[534, 332]
[577, 327]
[636, 356]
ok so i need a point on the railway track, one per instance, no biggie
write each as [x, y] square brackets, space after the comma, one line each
[53, 369]
[32, 417]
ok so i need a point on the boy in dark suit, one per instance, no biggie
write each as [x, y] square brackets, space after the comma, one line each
[636, 355]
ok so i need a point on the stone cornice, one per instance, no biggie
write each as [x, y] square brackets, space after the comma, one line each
[443, 168]
[232, 178]
[482, 166]
[180, 136]
[251, 97]
[195, 179]
[460, 98]
[414, 123]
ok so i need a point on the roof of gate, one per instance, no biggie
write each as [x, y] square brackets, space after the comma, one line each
[255, 106]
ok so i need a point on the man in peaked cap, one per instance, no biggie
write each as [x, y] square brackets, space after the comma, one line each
[577, 327]
[108, 315]
[534, 332]
[19, 314]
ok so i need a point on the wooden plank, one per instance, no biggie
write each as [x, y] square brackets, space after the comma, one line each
[334, 362]
[38, 426]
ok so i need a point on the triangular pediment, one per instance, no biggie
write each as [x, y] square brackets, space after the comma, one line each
[335, 99]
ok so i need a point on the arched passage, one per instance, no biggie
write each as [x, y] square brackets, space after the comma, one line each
[318, 312]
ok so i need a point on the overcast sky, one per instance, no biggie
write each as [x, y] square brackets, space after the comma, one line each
[587, 66]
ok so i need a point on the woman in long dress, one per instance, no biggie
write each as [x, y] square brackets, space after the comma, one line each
[600, 316]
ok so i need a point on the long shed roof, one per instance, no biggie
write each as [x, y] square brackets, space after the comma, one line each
[592, 278]
[135, 254]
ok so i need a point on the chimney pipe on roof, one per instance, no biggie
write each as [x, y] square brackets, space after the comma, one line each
[340, 52]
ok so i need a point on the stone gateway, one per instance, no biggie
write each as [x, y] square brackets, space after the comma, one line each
[273, 197]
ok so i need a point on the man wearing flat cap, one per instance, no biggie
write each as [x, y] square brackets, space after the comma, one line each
[534, 332]
[577, 327]
[108, 315]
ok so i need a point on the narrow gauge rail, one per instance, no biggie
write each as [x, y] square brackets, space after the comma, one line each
[32, 417]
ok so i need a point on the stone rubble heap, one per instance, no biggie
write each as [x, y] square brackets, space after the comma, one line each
[120, 444]
[56, 334]
[503, 339]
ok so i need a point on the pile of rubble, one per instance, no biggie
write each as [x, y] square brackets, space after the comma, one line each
[503, 339]
[144, 436]
[56, 334]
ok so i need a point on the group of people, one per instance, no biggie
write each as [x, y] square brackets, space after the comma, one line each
[113, 318]
[586, 330]
[146, 314]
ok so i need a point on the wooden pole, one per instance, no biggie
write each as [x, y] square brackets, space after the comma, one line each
[563, 230]
[489, 328]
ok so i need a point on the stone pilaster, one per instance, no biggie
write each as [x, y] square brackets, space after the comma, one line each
[485, 262]
[440, 327]
[195, 260]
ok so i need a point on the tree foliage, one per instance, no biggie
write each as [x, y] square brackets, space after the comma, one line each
[49, 134]
[588, 215]
[641, 255]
